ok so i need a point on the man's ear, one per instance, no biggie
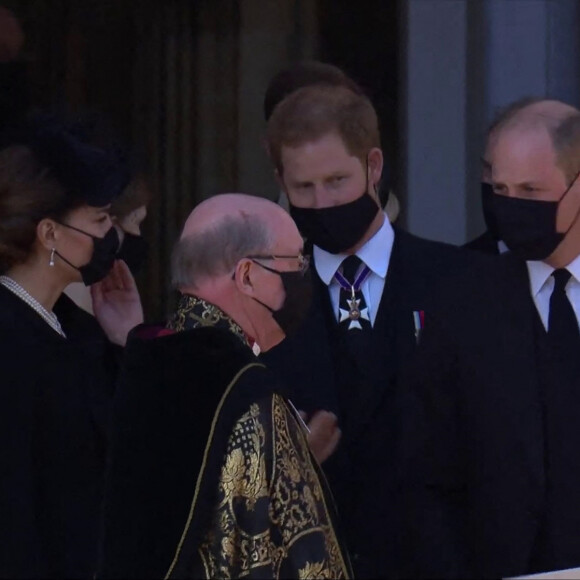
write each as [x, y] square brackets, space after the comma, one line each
[242, 277]
[47, 233]
[569, 207]
[375, 161]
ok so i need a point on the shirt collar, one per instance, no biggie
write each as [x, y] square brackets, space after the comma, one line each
[376, 254]
[540, 272]
[574, 268]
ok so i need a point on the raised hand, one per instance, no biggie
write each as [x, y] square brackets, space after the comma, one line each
[324, 434]
[116, 303]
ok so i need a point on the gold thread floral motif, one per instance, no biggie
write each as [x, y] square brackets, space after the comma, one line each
[244, 472]
[314, 570]
[194, 312]
[270, 518]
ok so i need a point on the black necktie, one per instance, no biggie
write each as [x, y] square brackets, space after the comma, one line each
[562, 323]
[353, 312]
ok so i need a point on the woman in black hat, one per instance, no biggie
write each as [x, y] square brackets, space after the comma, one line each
[57, 363]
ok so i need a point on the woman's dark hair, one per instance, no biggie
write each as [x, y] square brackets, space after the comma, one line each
[29, 192]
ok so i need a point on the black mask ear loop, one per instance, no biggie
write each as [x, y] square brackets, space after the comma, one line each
[259, 301]
[76, 230]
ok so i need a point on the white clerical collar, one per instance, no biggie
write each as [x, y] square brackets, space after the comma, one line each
[540, 272]
[376, 254]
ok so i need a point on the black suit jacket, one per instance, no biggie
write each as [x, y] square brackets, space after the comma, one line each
[476, 483]
[484, 243]
[363, 470]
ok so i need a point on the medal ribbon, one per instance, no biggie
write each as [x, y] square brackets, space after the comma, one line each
[355, 287]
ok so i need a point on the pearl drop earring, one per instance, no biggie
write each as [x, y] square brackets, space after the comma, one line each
[51, 263]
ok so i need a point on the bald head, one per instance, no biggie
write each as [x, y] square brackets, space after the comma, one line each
[523, 119]
[221, 231]
[533, 114]
[231, 206]
[550, 108]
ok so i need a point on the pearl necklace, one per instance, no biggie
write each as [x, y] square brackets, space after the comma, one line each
[49, 317]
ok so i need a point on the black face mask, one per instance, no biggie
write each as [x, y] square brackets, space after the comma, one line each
[134, 251]
[104, 254]
[339, 227]
[488, 215]
[298, 288]
[527, 226]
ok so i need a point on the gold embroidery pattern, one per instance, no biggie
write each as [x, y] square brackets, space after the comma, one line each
[314, 570]
[178, 552]
[265, 520]
[244, 472]
[194, 312]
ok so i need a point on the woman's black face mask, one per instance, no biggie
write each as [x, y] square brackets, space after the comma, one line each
[102, 259]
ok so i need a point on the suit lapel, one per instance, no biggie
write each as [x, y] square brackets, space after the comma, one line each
[520, 373]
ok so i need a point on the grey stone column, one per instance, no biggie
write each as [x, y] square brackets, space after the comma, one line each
[434, 118]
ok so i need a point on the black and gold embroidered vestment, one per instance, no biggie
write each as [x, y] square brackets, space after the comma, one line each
[211, 475]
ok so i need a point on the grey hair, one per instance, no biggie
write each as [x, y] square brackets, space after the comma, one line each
[216, 251]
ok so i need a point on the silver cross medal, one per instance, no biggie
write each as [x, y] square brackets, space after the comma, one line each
[354, 313]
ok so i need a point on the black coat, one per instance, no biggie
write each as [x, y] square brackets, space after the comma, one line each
[54, 404]
[363, 471]
[484, 243]
[477, 481]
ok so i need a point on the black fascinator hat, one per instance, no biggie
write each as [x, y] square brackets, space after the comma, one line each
[89, 173]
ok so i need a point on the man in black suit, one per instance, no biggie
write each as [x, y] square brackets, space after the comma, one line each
[373, 285]
[498, 375]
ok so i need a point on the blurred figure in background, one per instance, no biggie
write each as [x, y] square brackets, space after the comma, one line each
[128, 213]
[14, 89]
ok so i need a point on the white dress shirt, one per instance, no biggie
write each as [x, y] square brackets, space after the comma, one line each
[542, 284]
[376, 254]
